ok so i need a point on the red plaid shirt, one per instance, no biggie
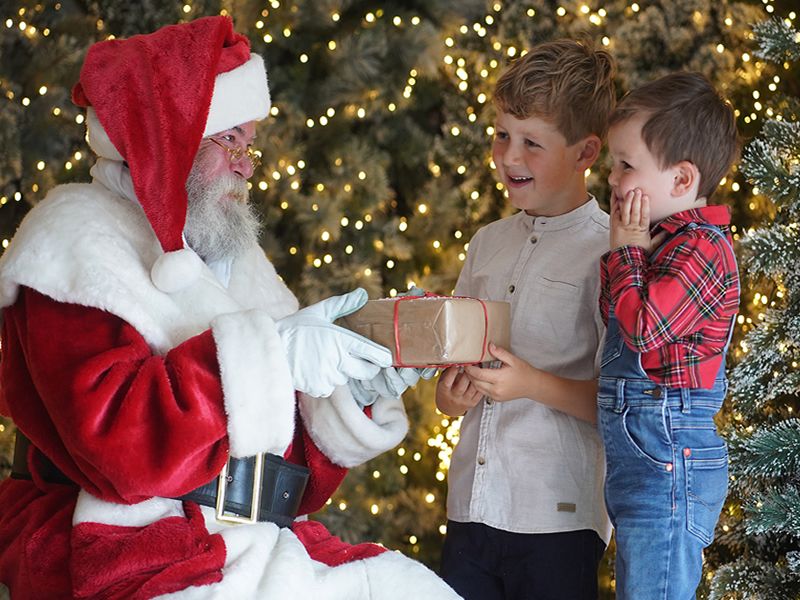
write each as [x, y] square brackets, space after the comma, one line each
[676, 311]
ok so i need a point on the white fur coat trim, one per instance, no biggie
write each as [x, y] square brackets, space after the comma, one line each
[345, 434]
[252, 361]
[269, 562]
[265, 561]
[84, 245]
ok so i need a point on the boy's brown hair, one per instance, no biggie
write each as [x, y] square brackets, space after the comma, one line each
[568, 83]
[686, 120]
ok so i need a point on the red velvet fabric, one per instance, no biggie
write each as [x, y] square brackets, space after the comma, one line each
[126, 425]
[35, 540]
[326, 548]
[123, 423]
[136, 563]
[325, 475]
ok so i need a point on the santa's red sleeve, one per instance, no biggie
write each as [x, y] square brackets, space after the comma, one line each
[119, 420]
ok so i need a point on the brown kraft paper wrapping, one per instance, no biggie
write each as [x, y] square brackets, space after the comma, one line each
[434, 331]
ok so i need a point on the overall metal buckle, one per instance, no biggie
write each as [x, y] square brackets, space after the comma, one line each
[255, 500]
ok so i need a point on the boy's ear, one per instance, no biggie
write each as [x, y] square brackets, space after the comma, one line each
[589, 148]
[686, 176]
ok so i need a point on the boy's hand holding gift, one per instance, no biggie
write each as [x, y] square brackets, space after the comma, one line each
[514, 378]
[455, 393]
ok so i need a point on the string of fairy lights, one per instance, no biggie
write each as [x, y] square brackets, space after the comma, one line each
[474, 82]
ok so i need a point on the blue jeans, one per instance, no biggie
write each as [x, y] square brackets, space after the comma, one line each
[666, 475]
[666, 482]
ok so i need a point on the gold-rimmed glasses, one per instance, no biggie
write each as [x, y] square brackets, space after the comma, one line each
[236, 153]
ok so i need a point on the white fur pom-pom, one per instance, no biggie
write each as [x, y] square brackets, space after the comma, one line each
[176, 270]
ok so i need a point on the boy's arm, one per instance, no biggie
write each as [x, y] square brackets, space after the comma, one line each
[655, 304]
[516, 378]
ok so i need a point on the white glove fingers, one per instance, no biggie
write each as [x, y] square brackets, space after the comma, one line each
[339, 306]
[408, 375]
[356, 368]
[369, 351]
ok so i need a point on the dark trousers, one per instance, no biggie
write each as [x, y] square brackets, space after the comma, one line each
[484, 563]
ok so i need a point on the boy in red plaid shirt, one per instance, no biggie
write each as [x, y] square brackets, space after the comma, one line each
[669, 296]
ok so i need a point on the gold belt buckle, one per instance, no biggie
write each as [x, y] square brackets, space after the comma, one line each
[255, 500]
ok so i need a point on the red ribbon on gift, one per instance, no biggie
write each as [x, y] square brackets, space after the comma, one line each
[396, 324]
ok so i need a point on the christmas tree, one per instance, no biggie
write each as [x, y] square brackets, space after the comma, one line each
[765, 437]
[375, 161]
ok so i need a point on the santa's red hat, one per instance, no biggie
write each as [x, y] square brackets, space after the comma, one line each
[152, 98]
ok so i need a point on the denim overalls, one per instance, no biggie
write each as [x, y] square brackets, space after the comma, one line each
[667, 471]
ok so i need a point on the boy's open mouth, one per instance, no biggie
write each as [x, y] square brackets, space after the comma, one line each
[518, 181]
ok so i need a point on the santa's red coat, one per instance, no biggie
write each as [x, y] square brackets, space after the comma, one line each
[139, 395]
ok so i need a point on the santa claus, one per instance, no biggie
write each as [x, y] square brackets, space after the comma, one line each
[176, 412]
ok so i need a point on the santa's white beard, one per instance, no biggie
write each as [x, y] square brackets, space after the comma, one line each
[220, 222]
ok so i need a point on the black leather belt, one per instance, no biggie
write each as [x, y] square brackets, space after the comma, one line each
[275, 484]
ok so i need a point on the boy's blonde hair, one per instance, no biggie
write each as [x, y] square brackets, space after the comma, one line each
[569, 83]
[686, 120]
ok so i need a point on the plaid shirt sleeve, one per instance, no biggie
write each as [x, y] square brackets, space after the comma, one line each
[679, 293]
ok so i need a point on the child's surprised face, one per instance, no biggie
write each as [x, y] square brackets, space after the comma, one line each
[536, 165]
[634, 166]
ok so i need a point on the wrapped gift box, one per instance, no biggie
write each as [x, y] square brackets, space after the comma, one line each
[434, 330]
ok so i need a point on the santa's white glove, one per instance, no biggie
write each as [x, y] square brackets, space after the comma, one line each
[322, 355]
[389, 383]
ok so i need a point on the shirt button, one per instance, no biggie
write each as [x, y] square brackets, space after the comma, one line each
[668, 467]
[657, 393]
[481, 460]
[511, 289]
[534, 239]
[687, 452]
[488, 401]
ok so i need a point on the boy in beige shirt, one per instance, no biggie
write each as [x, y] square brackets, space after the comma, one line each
[526, 517]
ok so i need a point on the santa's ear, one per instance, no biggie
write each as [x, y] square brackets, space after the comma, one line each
[589, 149]
[686, 177]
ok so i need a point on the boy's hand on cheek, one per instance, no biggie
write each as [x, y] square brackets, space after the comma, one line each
[455, 394]
[513, 379]
[630, 221]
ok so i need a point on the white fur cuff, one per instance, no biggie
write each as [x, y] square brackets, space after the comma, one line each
[345, 434]
[256, 383]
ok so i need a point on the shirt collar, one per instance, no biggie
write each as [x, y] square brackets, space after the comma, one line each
[713, 215]
[573, 217]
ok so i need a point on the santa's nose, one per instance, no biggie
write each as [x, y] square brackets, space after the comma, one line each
[243, 167]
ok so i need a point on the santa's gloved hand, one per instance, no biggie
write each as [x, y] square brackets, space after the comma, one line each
[413, 291]
[389, 382]
[322, 355]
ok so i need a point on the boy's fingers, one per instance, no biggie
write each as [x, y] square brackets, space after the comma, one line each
[480, 374]
[636, 207]
[481, 387]
[501, 354]
[625, 209]
[461, 385]
[449, 376]
[644, 219]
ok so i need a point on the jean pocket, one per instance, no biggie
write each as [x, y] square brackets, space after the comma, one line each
[647, 433]
[612, 349]
[706, 488]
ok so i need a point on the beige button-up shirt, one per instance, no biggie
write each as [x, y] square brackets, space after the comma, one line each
[521, 466]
